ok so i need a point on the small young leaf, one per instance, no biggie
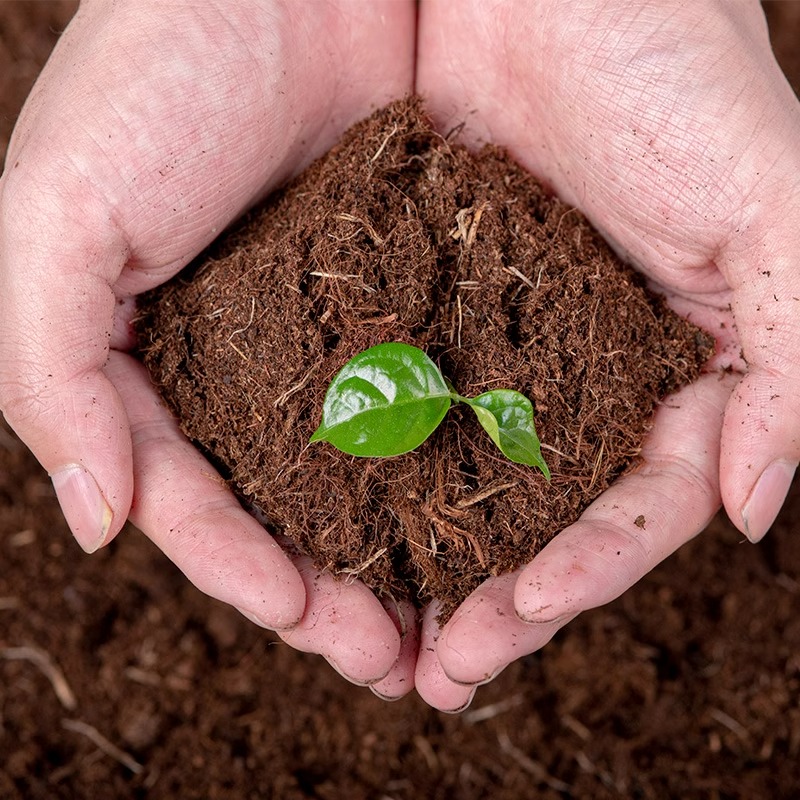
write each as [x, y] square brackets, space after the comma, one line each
[385, 401]
[507, 416]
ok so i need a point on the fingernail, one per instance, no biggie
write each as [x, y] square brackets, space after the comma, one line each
[87, 513]
[541, 615]
[350, 678]
[487, 678]
[254, 618]
[386, 697]
[463, 707]
[767, 497]
[257, 620]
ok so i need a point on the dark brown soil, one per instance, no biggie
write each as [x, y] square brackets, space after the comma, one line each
[688, 686]
[401, 235]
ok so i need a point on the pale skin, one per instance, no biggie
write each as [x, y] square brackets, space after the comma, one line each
[668, 123]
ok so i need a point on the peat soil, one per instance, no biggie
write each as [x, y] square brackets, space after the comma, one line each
[118, 679]
[398, 234]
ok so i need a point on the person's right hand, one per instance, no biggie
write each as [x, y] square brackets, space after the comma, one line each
[151, 128]
[670, 125]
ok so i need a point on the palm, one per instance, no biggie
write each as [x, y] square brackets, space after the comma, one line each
[669, 132]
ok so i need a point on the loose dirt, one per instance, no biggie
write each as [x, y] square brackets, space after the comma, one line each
[400, 234]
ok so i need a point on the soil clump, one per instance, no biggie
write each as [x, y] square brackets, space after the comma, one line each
[401, 234]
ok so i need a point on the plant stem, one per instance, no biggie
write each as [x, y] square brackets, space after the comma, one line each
[457, 398]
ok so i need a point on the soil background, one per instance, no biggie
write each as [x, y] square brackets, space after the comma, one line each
[118, 679]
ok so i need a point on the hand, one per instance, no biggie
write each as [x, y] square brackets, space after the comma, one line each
[671, 126]
[151, 128]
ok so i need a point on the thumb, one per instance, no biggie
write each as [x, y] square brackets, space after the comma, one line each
[55, 333]
[61, 252]
[760, 445]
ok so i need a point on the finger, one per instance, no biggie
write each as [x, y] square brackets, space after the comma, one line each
[347, 625]
[59, 257]
[761, 434]
[400, 680]
[185, 508]
[485, 634]
[433, 685]
[55, 329]
[644, 517]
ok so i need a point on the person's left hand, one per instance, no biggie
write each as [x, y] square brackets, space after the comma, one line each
[151, 128]
[671, 126]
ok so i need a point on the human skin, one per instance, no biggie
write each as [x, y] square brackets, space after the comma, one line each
[154, 125]
[672, 127]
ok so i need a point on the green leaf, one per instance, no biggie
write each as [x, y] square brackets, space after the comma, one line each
[507, 416]
[385, 401]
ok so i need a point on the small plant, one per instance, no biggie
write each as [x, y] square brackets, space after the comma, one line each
[390, 398]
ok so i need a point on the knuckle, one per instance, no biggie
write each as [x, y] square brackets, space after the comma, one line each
[23, 404]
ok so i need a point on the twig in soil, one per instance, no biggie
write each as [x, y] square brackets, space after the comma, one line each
[22, 538]
[432, 551]
[333, 276]
[447, 530]
[294, 389]
[143, 676]
[467, 229]
[388, 319]
[238, 351]
[475, 546]
[249, 322]
[378, 152]
[588, 766]
[354, 571]
[558, 452]
[730, 723]
[578, 728]
[48, 668]
[561, 219]
[484, 494]
[428, 753]
[535, 768]
[100, 741]
[524, 278]
[597, 462]
[373, 234]
[782, 580]
[460, 321]
[493, 709]
[473, 228]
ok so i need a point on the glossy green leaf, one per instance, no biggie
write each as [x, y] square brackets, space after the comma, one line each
[385, 401]
[507, 416]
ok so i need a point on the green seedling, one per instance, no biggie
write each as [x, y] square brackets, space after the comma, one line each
[390, 398]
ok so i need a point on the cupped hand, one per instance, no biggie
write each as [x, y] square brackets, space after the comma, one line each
[671, 126]
[151, 128]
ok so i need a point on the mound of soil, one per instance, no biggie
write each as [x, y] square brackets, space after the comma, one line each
[400, 234]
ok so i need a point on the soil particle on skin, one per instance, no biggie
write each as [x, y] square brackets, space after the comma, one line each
[399, 234]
